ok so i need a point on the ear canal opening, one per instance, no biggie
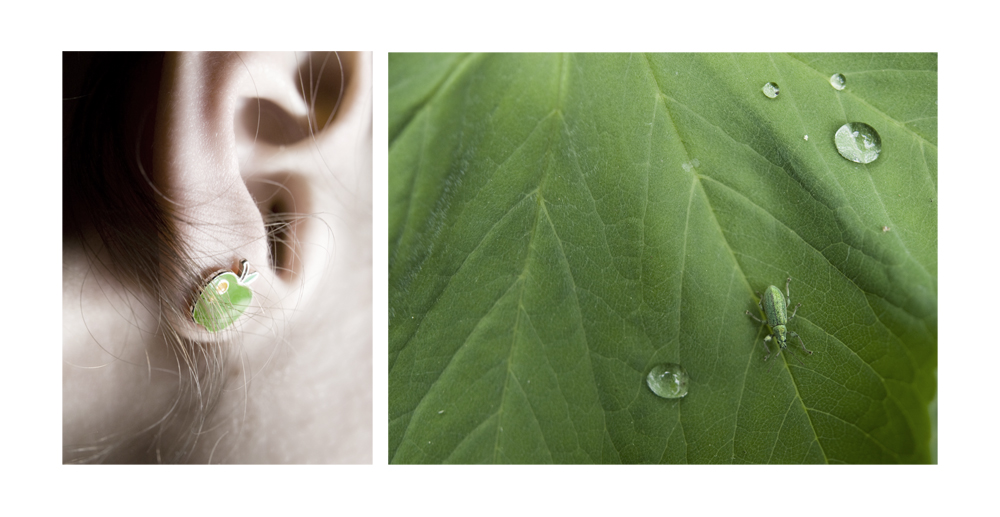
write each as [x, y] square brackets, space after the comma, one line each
[283, 201]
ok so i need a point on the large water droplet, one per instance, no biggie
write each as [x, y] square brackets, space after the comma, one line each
[668, 380]
[858, 142]
[771, 90]
[838, 81]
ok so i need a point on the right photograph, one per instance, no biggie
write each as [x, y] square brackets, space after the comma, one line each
[663, 258]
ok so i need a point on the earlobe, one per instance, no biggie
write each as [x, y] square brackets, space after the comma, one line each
[196, 170]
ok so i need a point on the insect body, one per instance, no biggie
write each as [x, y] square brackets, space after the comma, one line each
[772, 304]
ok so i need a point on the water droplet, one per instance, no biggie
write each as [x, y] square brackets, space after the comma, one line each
[771, 90]
[688, 166]
[668, 380]
[838, 81]
[858, 142]
[806, 137]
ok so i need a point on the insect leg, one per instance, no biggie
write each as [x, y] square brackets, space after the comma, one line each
[768, 338]
[760, 300]
[794, 311]
[792, 334]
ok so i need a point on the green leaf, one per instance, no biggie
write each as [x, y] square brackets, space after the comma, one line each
[559, 224]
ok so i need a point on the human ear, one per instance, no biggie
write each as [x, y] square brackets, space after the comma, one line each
[241, 143]
[258, 157]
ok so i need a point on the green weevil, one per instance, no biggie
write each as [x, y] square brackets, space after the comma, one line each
[772, 304]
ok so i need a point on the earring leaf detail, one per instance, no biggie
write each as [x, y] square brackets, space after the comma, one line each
[224, 298]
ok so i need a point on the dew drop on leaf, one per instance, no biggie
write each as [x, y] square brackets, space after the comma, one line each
[771, 90]
[858, 142]
[838, 81]
[668, 380]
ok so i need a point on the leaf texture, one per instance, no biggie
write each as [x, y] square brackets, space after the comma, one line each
[558, 224]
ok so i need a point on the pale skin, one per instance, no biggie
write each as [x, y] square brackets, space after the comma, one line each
[299, 389]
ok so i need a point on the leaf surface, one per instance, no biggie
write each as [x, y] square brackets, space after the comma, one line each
[559, 224]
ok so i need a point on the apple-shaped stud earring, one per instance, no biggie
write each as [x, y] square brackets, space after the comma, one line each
[224, 298]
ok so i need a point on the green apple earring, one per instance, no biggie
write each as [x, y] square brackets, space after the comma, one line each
[224, 298]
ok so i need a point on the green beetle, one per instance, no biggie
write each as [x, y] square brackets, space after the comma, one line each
[772, 304]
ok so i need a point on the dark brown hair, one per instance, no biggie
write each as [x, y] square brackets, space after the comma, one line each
[111, 212]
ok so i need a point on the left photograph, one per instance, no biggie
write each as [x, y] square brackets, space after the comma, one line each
[217, 258]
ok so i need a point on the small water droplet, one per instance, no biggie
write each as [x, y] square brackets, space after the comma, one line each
[806, 138]
[838, 81]
[668, 380]
[858, 142]
[693, 164]
[771, 90]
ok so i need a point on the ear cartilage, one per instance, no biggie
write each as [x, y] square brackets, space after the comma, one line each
[224, 298]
